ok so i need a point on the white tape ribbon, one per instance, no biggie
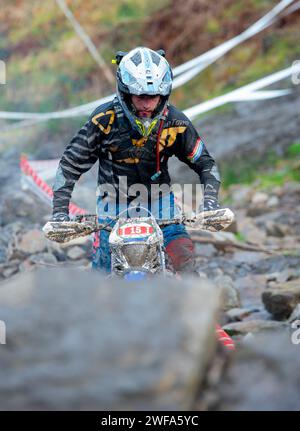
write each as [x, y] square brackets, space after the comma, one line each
[186, 71]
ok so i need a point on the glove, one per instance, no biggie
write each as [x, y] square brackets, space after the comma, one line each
[60, 217]
[210, 203]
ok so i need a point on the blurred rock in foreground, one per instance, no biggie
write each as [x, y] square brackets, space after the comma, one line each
[76, 341]
[264, 376]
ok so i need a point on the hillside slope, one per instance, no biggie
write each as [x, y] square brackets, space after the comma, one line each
[49, 68]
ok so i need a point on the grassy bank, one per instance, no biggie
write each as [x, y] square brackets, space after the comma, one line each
[266, 172]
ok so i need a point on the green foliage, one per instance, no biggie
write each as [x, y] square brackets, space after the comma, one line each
[294, 149]
[240, 237]
[267, 172]
[127, 10]
[213, 26]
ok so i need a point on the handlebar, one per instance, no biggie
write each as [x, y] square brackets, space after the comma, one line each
[83, 225]
[93, 218]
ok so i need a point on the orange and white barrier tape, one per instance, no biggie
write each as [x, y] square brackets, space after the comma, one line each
[43, 187]
[224, 338]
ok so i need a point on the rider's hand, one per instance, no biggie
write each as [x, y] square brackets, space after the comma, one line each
[60, 217]
[210, 203]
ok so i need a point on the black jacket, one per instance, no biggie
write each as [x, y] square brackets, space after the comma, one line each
[108, 137]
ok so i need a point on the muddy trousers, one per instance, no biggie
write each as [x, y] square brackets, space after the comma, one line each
[177, 242]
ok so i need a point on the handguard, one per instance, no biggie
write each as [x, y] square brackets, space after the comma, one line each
[66, 231]
[212, 221]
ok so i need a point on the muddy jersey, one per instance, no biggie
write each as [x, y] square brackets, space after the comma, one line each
[123, 152]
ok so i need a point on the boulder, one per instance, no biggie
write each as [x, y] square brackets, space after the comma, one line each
[7, 240]
[273, 201]
[283, 276]
[240, 194]
[277, 229]
[33, 241]
[238, 314]
[20, 205]
[250, 289]
[43, 259]
[295, 314]
[250, 231]
[263, 376]
[75, 253]
[77, 341]
[259, 198]
[10, 270]
[281, 300]
[252, 326]
[230, 295]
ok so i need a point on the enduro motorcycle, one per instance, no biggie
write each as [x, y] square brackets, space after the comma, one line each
[136, 243]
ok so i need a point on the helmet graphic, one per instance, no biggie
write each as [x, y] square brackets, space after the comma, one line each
[143, 71]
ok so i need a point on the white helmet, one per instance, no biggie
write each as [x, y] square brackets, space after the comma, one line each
[143, 71]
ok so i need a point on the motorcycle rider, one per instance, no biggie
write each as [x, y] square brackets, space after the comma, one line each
[132, 137]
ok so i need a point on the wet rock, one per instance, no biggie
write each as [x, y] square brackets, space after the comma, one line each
[250, 289]
[273, 201]
[248, 256]
[21, 205]
[277, 229]
[263, 218]
[295, 314]
[7, 239]
[250, 231]
[281, 277]
[263, 376]
[238, 314]
[252, 326]
[215, 271]
[280, 301]
[230, 295]
[9, 271]
[257, 210]
[26, 265]
[291, 188]
[4, 255]
[240, 194]
[81, 241]
[75, 253]
[43, 259]
[277, 263]
[259, 198]
[58, 251]
[233, 227]
[32, 242]
[122, 346]
[207, 250]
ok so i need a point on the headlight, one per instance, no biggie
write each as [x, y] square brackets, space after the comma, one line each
[135, 254]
